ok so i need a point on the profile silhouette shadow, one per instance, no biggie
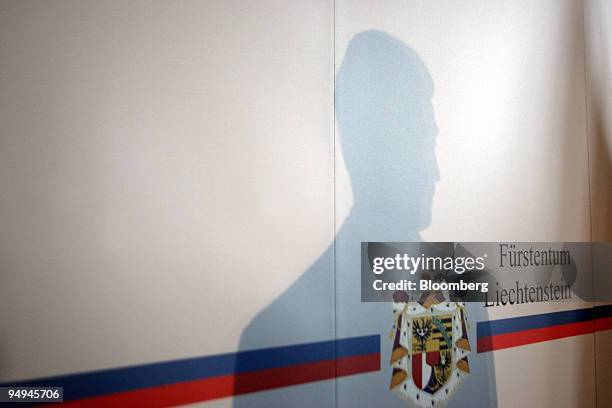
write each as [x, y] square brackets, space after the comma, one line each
[387, 134]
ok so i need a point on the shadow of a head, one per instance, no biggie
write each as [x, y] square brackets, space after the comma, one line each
[387, 129]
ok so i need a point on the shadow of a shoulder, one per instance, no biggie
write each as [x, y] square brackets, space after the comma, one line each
[303, 313]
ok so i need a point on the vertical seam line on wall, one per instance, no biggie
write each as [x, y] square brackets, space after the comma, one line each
[588, 117]
[587, 88]
[333, 135]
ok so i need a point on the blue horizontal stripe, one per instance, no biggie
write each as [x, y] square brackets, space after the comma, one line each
[602, 311]
[84, 385]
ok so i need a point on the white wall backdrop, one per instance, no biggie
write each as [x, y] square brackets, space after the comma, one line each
[168, 169]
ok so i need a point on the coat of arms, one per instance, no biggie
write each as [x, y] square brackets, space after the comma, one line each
[430, 349]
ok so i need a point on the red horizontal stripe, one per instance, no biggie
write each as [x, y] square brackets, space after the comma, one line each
[603, 324]
[521, 338]
[242, 383]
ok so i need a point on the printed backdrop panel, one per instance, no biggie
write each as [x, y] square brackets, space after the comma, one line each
[191, 181]
[166, 173]
[507, 102]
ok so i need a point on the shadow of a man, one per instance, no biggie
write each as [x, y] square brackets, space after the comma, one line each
[387, 133]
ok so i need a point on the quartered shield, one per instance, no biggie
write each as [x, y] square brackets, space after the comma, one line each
[430, 351]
